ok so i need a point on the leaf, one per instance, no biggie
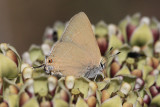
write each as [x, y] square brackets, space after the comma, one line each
[148, 49]
[13, 100]
[158, 80]
[125, 48]
[98, 96]
[113, 102]
[141, 92]
[114, 86]
[82, 85]
[102, 85]
[38, 72]
[40, 86]
[146, 69]
[150, 80]
[132, 97]
[114, 42]
[141, 64]
[60, 103]
[81, 103]
[31, 103]
[156, 101]
[123, 71]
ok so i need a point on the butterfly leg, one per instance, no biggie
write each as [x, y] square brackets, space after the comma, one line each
[98, 73]
[95, 78]
[87, 74]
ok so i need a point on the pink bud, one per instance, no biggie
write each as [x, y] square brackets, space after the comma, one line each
[139, 83]
[130, 29]
[153, 91]
[102, 43]
[147, 99]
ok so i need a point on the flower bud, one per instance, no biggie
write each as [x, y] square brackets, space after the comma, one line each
[157, 47]
[92, 89]
[153, 91]
[27, 73]
[125, 88]
[112, 29]
[46, 49]
[8, 67]
[140, 100]
[45, 104]
[26, 58]
[158, 87]
[147, 99]
[120, 77]
[155, 62]
[127, 104]
[69, 81]
[136, 49]
[64, 95]
[154, 72]
[155, 33]
[130, 30]
[48, 33]
[24, 97]
[115, 67]
[4, 104]
[105, 96]
[52, 84]
[145, 20]
[149, 61]
[30, 88]
[91, 101]
[12, 56]
[13, 89]
[1, 86]
[155, 29]
[103, 45]
[24, 65]
[139, 83]
[4, 46]
[137, 73]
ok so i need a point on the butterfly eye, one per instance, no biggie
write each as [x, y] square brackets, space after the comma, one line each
[50, 61]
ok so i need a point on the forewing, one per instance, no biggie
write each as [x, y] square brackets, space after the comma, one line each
[79, 32]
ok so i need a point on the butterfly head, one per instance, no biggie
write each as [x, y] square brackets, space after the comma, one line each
[49, 68]
[48, 64]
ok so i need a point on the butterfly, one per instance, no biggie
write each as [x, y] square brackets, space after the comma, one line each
[77, 52]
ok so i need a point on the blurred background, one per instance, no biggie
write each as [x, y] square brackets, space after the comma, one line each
[22, 22]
